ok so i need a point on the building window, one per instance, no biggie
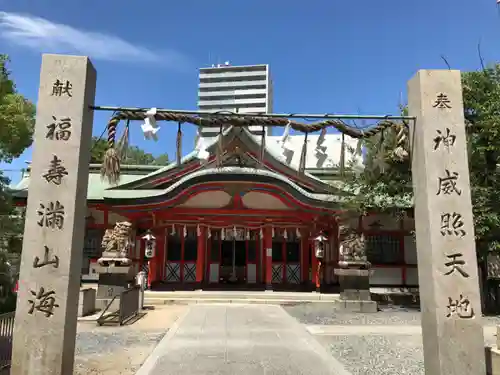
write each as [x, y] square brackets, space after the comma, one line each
[191, 245]
[174, 248]
[240, 256]
[293, 252]
[278, 248]
[91, 247]
[292, 246]
[215, 246]
[92, 244]
[252, 248]
[384, 249]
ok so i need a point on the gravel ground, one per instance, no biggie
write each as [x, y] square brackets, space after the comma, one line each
[115, 350]
[325, 314]
[118, 352]
[389, 354]
[378, 355]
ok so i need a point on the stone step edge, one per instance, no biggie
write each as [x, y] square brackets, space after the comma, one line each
[167, 301]
[167, 295]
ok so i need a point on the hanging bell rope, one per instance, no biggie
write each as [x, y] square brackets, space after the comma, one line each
[400, 153]
[359, 147]
[111, 163]
[380, 162]
[342, 156]
[303, 156]
[178, 144]
[262, 145]
[124, 142]
[220, 148]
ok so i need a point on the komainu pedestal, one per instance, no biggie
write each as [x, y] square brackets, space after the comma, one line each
[354, 273]
[115, 267]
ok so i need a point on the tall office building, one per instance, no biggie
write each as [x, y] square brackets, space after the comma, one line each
[242, 89]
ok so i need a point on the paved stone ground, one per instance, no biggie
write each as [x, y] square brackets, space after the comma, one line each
[114, 350]
[239, 339]
[385, 343]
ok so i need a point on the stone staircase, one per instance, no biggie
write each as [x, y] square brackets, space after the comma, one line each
[262, 297]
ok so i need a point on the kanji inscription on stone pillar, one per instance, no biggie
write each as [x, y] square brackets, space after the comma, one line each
[447, 264]
[47, 303]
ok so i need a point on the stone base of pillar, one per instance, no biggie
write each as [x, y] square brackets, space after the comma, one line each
[112, 282]
[492, 361]
[354, 282]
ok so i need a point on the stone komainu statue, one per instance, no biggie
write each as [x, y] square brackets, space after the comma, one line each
[116, 242]
[352, 245]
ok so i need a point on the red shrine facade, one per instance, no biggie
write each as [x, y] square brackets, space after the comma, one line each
[236, 217]
[238, 220]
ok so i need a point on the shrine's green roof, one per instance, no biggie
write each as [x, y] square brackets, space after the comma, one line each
[133, 183]
[96, 185]
[99, 188]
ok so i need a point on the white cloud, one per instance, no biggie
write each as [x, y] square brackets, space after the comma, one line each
[46, 36]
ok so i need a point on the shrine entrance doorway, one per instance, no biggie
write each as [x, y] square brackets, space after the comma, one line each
[233, 265]
[234, 256]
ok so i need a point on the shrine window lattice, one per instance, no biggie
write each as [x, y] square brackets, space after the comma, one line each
[91, 247]
[384, 249]
[174, 249]
[292, 248]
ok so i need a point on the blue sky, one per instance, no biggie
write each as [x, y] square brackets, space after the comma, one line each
[325, 56]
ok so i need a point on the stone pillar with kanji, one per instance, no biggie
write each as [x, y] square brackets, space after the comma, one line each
[49, 283]
[452, 329]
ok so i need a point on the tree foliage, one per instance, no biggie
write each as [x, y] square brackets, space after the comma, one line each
[385, 184]
[132, 156]
[17, 117]
[482, 112]
[17, 122]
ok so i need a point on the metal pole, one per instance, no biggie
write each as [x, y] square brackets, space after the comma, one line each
[268, 115]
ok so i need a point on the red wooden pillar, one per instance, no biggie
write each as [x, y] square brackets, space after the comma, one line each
[160, 253]
[258, 257]
[151, 265]
[268, 255]
[142, 249]
[304, 255]
[106, 218]
[201, 248]
[158, 258]
[314, 270]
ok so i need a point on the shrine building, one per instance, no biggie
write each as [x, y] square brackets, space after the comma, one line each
[213, 222]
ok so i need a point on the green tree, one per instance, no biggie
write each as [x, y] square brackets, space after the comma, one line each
[482, 113]
[385, 184]
[17, 121]
[17, 116]
[133, 155]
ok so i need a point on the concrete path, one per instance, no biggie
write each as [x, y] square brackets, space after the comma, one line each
[239, 339]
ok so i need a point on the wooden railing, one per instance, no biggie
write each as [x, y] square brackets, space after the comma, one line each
[6, 333]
